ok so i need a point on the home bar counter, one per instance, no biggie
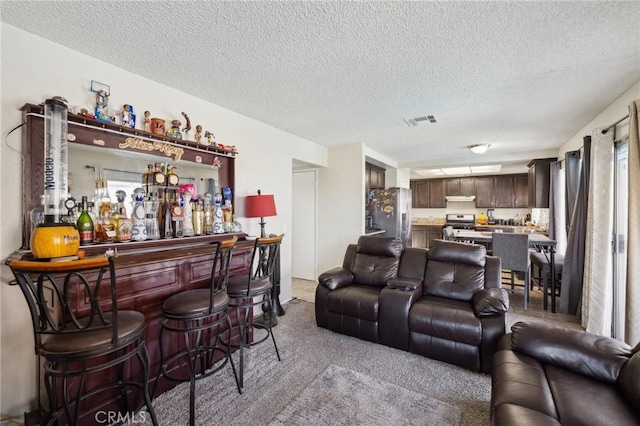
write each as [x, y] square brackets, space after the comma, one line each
[147, 272]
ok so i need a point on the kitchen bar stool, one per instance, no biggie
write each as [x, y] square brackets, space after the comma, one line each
[247, 291]
[540, 262]
[78, 344]
[202, 317]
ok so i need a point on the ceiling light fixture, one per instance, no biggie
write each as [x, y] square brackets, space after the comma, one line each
[479, 149]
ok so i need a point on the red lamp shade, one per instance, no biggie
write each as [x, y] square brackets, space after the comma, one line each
[259, 206]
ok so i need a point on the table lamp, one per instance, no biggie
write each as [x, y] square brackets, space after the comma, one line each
[260, 206]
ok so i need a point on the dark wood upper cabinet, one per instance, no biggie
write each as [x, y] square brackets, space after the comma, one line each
[521, 195]
[460, 186]
[420, 193]
[484, 192]
[504, 189]
[428, 193]
[539, 182]
[437, 193]
[374, 176]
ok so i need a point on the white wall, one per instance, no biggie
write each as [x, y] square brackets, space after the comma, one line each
[340, 204]
[614, 112]
[34, 69]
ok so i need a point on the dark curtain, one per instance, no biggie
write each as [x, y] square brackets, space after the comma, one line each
[573, 268]
[572, 164]
[555, 226]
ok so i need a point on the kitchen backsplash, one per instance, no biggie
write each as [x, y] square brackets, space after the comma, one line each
[438, 215]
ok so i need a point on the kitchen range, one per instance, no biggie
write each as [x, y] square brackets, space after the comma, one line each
[460, 221]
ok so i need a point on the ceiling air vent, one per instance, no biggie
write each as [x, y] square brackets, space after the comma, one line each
[413, 122]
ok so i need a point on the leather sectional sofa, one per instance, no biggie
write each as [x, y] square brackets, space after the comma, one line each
[444, 303]
[545, 375]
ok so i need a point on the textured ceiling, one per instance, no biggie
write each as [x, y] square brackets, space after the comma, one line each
[516, 75]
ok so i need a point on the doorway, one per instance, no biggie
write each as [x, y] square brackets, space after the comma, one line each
[304, 224]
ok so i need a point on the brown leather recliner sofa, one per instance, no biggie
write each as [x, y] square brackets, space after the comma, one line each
[444, 303]
[545, 375]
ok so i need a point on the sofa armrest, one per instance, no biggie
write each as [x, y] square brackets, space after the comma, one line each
[594, 356]
[404, 284]
[336, 278]
[490, 301]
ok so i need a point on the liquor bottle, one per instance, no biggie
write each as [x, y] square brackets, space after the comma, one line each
[158, 175]
[124, 226]
[187, 222]
[237, 227]
[218, 223]
[147, 178]
[172, 177]
[207, 222]
[177, 216]
[166, 230]
[85, 224]
[138, 216]
[198, 217]
[151, 207]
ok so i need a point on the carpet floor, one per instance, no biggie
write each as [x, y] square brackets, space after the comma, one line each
[307, 351]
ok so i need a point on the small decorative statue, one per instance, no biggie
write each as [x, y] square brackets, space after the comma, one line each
[102, 100]
[128, 117]
[198, 135]
[209, 136]
[174, 131]
[187, 128]
[147, 121]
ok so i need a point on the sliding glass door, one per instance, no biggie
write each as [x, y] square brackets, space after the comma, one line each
[620, 237]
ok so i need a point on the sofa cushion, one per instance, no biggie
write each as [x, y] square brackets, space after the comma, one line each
[380, 246]
[458, 281]
[510, 414]
[520, 380]
[629, 381]
[454, 252]
[356, 301]
[584, 400]
[586, 353]
[445, 318]
[376, 261]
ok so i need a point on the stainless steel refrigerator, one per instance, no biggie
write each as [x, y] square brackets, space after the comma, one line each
[390, 210]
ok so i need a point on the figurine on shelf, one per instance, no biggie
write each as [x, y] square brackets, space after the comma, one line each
[128, 117]
[187, 128]
[174, 131]
[147, 121]
[198, 135]
[217, 162]
[209, 136]
[102, 100]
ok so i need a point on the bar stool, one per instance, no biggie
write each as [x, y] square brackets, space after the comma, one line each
[247, 291]
[202, 316]
[77, 345]
[540, 261]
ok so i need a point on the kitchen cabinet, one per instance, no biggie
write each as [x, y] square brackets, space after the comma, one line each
[501, 191]
[504, 189]
[460, 186]
[484, 192]
[423, 235]
[374, 176]
[428, 193]
[539, 182]
[521, 195]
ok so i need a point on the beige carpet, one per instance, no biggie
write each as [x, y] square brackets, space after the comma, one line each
[340, 396]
